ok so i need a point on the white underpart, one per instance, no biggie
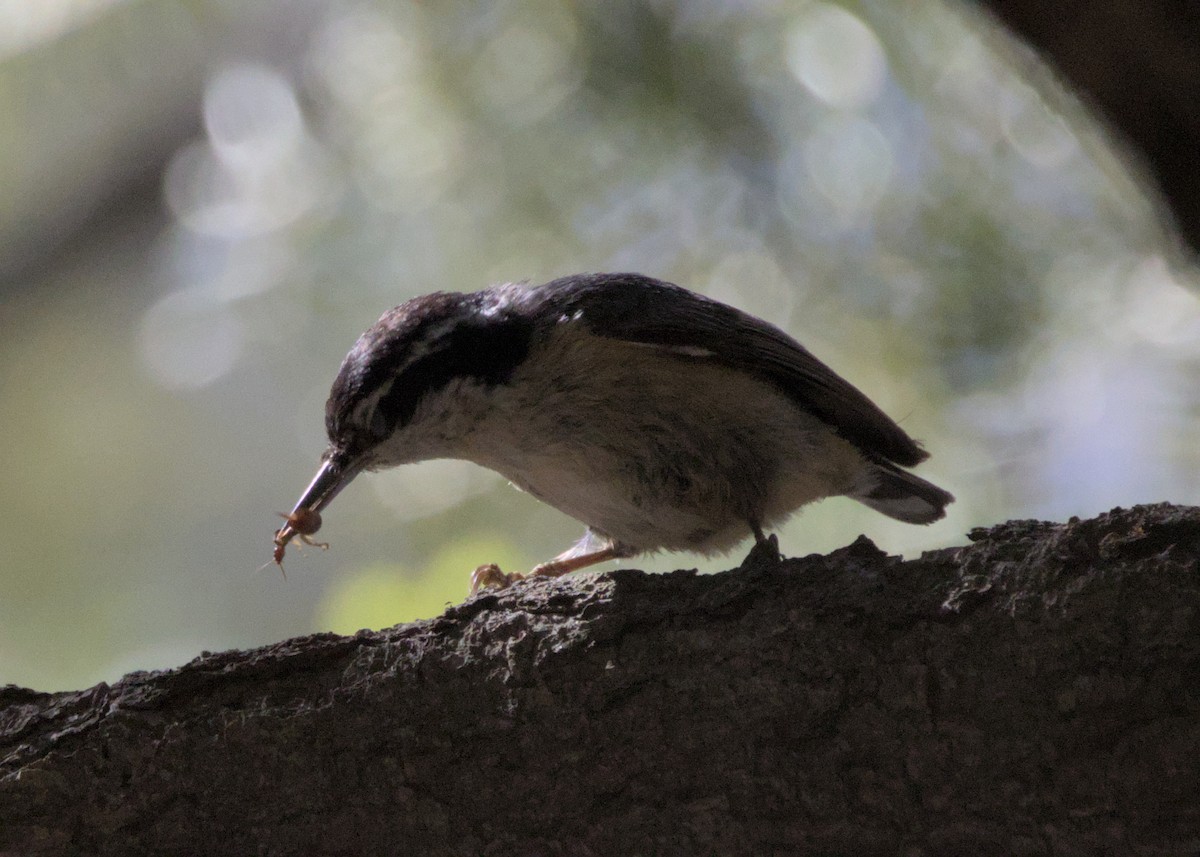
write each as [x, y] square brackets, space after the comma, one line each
[613, 436]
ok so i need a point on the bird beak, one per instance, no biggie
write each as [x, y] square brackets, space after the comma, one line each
[329, 481]
[327, 484]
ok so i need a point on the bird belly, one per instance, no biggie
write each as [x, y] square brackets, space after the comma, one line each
[616, 441]
[632, 512]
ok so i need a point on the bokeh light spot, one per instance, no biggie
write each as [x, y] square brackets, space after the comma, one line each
[258, 171]
[1163, 312]
[836, 56]
[189, 340]
[24, 24]
[850, 164]
[251, 114]
[524, 72]
[431, 487]
[1039, 135]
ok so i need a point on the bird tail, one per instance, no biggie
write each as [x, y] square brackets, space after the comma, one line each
[900, 495]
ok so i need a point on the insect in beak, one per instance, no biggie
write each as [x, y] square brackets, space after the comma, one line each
[305, 518]
[301, 523]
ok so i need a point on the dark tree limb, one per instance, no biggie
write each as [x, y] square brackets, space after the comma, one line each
[1137, 62]
[1036, 692]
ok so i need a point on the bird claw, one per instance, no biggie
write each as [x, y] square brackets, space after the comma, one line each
[490, 576]
[764, 551]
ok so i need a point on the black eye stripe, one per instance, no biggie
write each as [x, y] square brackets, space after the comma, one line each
[414, 350]
[485, 352]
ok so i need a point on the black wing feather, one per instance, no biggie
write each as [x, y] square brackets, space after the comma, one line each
[644, 310]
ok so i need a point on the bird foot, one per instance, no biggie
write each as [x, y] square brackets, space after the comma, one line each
[765, 551]
[490, 576]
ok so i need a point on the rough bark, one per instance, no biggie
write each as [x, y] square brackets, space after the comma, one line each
[1137, 63]
[1036, 692]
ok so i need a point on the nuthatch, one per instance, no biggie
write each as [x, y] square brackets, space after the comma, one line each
[661, 419]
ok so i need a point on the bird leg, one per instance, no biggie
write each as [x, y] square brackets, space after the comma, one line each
[491, 577]
[765, 546]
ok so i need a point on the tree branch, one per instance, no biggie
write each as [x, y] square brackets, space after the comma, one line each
[1035, 692]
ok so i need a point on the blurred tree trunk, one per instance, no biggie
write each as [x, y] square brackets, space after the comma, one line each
[1036, 692]
[1137, 63]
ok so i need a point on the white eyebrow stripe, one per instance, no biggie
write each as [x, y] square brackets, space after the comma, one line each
[364, 411]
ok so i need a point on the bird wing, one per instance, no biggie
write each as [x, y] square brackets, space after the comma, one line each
[640, 309]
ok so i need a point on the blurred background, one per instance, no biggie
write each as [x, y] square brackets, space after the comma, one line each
[204, 203]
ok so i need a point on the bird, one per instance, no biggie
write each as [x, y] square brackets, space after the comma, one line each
[661, 419]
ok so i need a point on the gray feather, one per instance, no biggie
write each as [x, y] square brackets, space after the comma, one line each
[640, 309]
